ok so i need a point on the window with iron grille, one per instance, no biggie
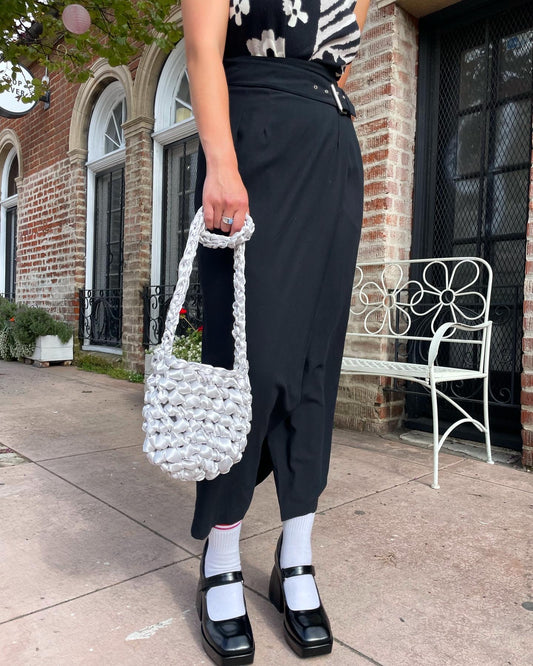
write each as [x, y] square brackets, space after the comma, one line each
[100, 322]
[175, 166]
[8, 225]
[473, 171]
[106, 311]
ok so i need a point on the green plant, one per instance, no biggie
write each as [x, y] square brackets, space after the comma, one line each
[32, 322]
[189, 345]
[7, 310]
[8, 344]
[32, 31]
[20, 326]
[91, 363]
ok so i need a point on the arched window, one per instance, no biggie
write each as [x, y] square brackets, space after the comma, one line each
[175, 162]
[8, 224]
[102, 307]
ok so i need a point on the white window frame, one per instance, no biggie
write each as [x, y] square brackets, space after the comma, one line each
[166, 131]
[6, 203]
[97, 162]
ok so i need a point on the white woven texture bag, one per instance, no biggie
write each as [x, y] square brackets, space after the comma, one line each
[197, 416]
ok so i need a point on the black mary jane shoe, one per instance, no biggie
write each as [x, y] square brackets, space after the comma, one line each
[226, 642]
[308, 632]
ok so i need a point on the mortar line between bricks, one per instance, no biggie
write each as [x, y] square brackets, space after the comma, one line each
[123, 513]
[99, 589]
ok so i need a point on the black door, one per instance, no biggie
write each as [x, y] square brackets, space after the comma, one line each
[106, 301]
[11, 253]
[473, 174]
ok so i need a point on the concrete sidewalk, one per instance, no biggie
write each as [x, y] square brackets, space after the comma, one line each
[97, 565]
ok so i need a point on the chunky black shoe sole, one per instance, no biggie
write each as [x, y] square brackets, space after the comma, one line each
[235, 633]
[292, 622]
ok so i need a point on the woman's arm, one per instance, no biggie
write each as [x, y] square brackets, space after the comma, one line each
[361, 10]
[205, 24]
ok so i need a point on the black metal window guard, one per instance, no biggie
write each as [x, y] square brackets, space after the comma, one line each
[156, 300]
[100, 320]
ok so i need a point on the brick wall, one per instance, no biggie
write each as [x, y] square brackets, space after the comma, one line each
[137, 237]
[51, 205]
[382, 85]
[50, 245]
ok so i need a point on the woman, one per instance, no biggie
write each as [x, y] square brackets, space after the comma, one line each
[278, 140]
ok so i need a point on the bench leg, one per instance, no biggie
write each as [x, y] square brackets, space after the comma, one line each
[486, 419]
[435, 413]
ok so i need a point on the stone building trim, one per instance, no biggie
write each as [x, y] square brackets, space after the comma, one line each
[9, 151]
[82, 111]
[165, 132]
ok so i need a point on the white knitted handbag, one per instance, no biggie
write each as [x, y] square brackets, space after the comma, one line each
[197, 416]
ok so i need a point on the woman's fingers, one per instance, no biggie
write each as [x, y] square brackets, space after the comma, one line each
[225, 200]
[209, 216]
[238, 220]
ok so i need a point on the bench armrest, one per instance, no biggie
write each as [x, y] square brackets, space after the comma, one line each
[444, 328]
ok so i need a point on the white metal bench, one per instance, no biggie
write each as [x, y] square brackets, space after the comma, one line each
[408, 315]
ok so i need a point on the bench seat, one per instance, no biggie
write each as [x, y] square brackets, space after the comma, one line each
[365, 366]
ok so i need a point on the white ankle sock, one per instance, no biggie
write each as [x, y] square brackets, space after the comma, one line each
[300, 591]
[222, 556]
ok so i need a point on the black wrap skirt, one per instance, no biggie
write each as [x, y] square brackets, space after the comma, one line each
[300, 161]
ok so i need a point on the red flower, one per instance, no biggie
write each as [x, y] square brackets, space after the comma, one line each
[200, 328]
[183, 311]
[12, 319]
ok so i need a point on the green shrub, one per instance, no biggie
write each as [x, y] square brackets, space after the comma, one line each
[20, 326]
[7, 310]
[32, 322]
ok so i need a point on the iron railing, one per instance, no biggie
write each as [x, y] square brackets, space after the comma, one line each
[100, 320]
[156, 300]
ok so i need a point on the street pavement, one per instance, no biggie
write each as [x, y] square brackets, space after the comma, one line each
[98, 566]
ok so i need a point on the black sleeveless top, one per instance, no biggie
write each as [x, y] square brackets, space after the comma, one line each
[321, 30]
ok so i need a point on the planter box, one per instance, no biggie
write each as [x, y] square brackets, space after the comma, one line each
[147, 365]
[50, 348]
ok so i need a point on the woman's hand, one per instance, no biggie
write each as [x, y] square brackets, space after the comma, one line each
[224, 195]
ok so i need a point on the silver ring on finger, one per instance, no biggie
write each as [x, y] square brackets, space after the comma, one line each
[227, 220]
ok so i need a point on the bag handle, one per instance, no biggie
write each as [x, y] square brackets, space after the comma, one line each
[199, 233]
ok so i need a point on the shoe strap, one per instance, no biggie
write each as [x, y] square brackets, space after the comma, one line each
[301, 570]
[221, 579]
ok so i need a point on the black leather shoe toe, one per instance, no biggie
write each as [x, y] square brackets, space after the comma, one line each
[226, 642]
[308, 632]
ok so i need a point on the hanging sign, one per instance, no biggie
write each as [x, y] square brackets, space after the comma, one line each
[11, 104]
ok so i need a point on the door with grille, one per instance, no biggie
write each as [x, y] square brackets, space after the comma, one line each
[473, 174]
[179, 173]
[106, 314]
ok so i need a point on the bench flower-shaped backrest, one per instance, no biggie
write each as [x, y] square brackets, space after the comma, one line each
[387, 301]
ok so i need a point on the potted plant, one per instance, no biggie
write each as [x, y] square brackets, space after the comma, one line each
[32, 332]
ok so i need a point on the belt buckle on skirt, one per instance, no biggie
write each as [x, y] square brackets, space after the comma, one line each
[342, 110]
